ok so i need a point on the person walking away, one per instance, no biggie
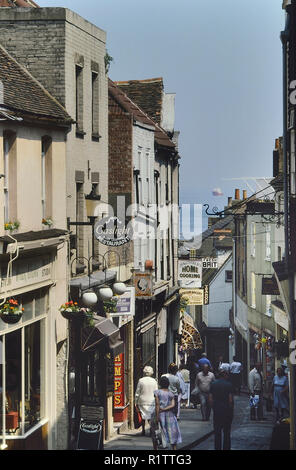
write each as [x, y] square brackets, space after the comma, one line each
[256, 387]
[221, 400]
[193, 371]
[223, 366]
[144, 396]
[165, 416]
[204, 360]
[185, 374]
[203, 381]
[280, 389]
[235, 374]
[174, 384]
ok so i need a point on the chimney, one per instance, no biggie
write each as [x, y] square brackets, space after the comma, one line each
[236, 197]
[244, 194]
[229, 201]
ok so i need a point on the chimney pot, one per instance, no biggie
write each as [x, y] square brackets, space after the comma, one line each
[244, 194]
[229, 201]
[237, 195]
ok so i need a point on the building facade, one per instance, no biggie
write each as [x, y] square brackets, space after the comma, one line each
[34, 273]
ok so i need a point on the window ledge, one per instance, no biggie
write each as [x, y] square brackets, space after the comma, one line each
[80, 133]
[96, 137]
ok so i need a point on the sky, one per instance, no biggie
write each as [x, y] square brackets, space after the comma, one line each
[223, 59]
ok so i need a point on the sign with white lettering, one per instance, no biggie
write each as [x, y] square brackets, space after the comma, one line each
[26, 273]
[195, 296]
[189, 273]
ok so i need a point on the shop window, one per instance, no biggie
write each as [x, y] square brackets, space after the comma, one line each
[28, 306]
[22, 367]
[41, 302]
[149, 348]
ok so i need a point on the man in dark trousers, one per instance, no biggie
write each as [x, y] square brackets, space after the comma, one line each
[221, 400]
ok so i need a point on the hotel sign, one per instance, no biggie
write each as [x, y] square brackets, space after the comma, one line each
[189, 273]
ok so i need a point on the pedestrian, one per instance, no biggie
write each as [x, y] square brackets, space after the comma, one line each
[204, 360]
[280, 389]
[256, 387]
[203, 381]
[235, 374]
[223, 366]
[185, 374]
[193, 370]
[221, 400]
[144, 396]
[165, 416]
[174, 384]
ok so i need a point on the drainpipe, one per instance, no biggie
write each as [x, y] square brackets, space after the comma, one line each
[284, 39]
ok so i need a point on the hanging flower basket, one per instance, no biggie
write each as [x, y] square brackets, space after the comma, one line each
[11, 312]
[71, 311]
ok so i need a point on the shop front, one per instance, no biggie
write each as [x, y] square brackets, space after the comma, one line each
[28, 353]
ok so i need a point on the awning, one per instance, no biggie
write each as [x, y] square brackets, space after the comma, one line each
[103, 332]
[191, 338]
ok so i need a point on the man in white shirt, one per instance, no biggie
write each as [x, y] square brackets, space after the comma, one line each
[256, 385]
[235, 374]
[203, 381]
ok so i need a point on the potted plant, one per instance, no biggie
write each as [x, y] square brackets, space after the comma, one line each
[110, 306]
[11, 312]
[72, 311]
[47, 221]
[11, 226]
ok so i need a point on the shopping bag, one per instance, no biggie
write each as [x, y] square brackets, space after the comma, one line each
[137, 418]
[254, 401]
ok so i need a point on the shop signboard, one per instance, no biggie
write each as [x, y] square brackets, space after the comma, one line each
[270, 286]
[190, 273]
[90, 434]
[125, 307]
[194, 296]
[143, 284]
[119, 381]
[26, 273]
[209, 263]
[111, 231]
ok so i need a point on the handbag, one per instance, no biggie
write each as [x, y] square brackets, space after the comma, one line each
[137, 418]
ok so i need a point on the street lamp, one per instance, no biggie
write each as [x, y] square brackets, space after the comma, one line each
[119, 288]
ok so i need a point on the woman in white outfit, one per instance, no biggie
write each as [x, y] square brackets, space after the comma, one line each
[144, 397]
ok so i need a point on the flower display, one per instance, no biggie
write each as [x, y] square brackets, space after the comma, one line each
[70, 307]
[11, 312]
[11, 226]
[110, 306]
[47, 221]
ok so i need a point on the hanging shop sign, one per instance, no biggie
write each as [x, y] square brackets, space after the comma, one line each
[111, 231]
[189, 273]
[119, 381]
[125, 307]
[143, 284]
[270, 286]
[210, 263]
[194, 296]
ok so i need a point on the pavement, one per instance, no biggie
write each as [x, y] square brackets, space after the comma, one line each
[198, 434]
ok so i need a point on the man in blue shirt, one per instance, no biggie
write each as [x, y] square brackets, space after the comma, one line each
[204, 360]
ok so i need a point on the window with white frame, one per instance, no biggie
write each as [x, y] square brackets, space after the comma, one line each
[6, 178]
[23, 368]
